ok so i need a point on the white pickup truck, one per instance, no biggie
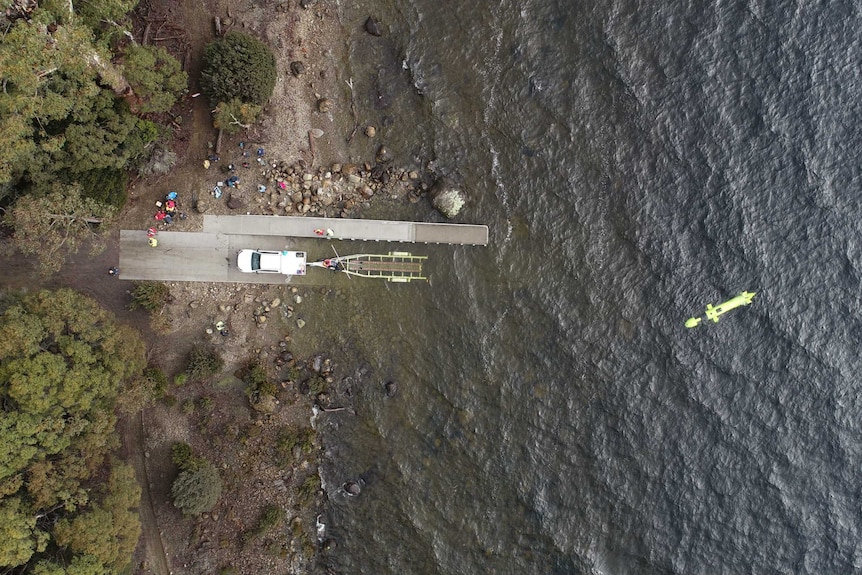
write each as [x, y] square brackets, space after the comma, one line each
[268, 262]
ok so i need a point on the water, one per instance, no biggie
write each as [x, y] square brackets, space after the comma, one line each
[634, 162]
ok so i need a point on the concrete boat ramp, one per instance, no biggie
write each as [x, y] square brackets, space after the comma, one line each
[210, 255]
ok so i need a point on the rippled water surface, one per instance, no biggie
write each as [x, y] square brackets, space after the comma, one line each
[634, 161]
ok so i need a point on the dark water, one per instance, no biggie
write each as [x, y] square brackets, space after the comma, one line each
[634, 161]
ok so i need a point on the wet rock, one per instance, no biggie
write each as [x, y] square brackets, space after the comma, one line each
[447, 198]
[297, 69]
[352, 488]
[383, 155]
[373, 27]
[329, 545]
[390, 388]
[370, 131]
[349, 169]
[324, 105]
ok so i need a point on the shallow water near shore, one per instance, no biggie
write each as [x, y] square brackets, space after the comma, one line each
[634, 163]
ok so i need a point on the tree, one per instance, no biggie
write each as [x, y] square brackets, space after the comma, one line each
[108, 530]
[238, 66]
[64, 104]
[197, 490]
[235, 115]
[19, 538]
[63, 360]
[53, 226]
[156, 77]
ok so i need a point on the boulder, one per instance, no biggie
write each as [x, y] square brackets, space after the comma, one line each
[297, 68]
[383, 155]
[235, 203]
[447, 198]
[373, 27]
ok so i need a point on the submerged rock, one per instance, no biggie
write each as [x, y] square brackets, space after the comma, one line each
[373, 27]
[391, 388]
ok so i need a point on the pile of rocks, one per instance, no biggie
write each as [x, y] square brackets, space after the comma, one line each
[293, 190]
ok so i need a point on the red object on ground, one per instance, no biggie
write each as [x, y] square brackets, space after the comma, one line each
[319, 232]
[160, 215]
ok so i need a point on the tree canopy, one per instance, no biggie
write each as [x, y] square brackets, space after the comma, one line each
[238, 67]
[63, 359]
[197, 488]
[52, 226]
[64, 106]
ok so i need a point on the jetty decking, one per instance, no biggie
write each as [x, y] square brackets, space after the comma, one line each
[349, 229]
[210, 255]
[197, 256]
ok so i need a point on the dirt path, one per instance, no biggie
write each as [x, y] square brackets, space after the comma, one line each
[132, 431]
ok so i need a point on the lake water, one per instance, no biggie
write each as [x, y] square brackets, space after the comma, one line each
[634, 161]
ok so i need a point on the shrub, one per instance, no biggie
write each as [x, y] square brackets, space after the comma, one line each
[258, 384]
[291, 437]
[309, 488]
[238, 66]
[315, 385]
[180, 379]
[188, 406]
[156, 160]
[197, 490]
[183, 456]
[141, 391]
[152, 296]
[204, 362]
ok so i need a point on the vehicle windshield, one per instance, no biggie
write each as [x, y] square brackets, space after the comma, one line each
[255, 261]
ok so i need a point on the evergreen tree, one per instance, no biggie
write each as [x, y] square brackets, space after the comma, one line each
[156, 77]
[197, 489]
[238, 66]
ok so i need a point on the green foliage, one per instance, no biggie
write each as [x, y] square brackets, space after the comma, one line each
[235, 115]
[156, 77]
[96, 13]
[107, 186]
[61, 119]
[19, 538]
[258, 386]
[107, 530]
[152, 296]
[180, 379]
[142, 391]
[55, 225]
[291, 437]
[316, 384]
[309, 489]
[272, 516]
[184, 458]
[204, 362]
[63, 360]
[238, 66]
[197, 490]
[188, 406]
